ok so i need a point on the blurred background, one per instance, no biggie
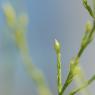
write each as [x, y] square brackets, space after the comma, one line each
[48, 19]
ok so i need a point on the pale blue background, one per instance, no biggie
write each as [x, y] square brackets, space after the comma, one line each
[48, 19]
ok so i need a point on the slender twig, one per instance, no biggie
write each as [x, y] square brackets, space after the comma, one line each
[88, 8]
[87, 42]
[59, 73]
[87, 83]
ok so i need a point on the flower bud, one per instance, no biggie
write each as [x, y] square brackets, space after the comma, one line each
[77, 70]
[88, 26]
[73, 63]
[57, 46]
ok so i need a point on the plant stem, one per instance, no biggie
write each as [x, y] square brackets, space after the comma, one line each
[87, 83]
[59, 81]
[67, 82]
[88, 41]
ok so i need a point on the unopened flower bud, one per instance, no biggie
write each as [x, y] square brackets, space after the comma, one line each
[73, 63]
[88, 26]
[57, 46]
[77, 70]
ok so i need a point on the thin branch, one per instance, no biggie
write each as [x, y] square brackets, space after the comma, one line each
[86, 84]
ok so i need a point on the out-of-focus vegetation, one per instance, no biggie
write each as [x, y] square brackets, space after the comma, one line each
[18, 25]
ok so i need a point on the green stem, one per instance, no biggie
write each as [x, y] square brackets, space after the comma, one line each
[59, 81]
[87, 83]
[87, 42]
[68, 80]
[66, 84]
